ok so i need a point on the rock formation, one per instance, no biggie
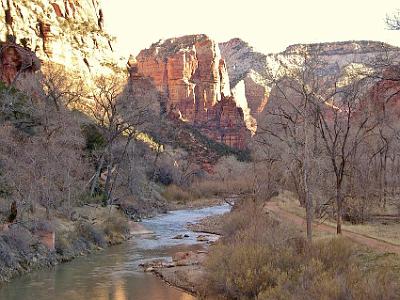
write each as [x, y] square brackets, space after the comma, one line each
[66, 32]
[191, 75]
[16, 60]
[250, 72]
[385, 93]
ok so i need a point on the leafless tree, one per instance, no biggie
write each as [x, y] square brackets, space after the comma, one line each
[121, 108]
[289, 122]
[44, 161]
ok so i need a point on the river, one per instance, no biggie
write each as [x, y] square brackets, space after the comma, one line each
[114, 274]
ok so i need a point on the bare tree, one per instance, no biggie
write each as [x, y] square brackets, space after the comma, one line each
[121, 108]
[289, 122]
[43, 149]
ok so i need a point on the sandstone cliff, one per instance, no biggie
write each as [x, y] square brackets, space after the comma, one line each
[192, 76]
[16, 61]
[66, 32]
[251, 72]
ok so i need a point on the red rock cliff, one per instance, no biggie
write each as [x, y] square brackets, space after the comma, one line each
[189, 71]
[16, 60]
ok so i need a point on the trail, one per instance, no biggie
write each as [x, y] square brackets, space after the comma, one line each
[370, 242]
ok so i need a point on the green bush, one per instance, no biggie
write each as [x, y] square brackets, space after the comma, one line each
[93, 137]
[86, 198]
[64, 242]
[15, 108]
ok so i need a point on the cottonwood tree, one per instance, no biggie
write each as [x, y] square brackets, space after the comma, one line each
[343, 122]
[317, 121]
[289, 124]
[385, 97]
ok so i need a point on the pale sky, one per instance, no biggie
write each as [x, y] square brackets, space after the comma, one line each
[269, 26]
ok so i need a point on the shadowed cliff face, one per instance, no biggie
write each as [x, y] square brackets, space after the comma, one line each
[15, 61]
[66, 32]
[189, 71]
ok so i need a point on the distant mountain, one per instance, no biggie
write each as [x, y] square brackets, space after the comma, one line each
[250, 72]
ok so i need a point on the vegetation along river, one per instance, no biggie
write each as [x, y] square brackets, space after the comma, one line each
[115, 274]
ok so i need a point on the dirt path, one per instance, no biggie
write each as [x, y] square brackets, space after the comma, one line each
[370, 242]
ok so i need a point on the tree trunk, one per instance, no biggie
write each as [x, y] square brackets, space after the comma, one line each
[97, 175]
[309, 215]
[308, 198]
[107, 185]
[339, 204]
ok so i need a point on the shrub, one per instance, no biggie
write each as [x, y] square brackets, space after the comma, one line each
[252, 257]
[63, 243]
[91, 233]
[161, 175]
[41, 225]
[86, 198]
[259, 258]
[18, 238]
[356, 210]
[93, 137]
[116, 225]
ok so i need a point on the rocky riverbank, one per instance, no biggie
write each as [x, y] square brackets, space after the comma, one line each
[29, 245]
[186, 269]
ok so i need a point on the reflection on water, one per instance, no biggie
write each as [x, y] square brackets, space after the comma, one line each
[114, 274]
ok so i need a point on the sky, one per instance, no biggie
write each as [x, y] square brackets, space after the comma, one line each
[269, 26]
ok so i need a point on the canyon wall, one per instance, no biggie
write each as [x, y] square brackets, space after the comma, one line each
[16, 61]
[253, 73]
[65, 32]
[192, 76]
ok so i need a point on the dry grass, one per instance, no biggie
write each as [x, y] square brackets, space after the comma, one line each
[174, 193]
[209, 187]
[205, 191]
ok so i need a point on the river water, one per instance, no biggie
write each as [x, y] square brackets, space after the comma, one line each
[114, 274]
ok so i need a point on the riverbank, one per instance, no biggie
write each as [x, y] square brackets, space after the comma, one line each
[186, 268]
[115, 272]
[31, 245]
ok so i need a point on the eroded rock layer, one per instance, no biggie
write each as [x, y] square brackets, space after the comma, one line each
[66, 32]
[16, 61]
[252, 74]
[190, 72]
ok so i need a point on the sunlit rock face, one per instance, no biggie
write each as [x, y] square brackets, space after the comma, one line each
[252, 74]
[66, 32]
[190, 72]
[16, 61]
[248, 75]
